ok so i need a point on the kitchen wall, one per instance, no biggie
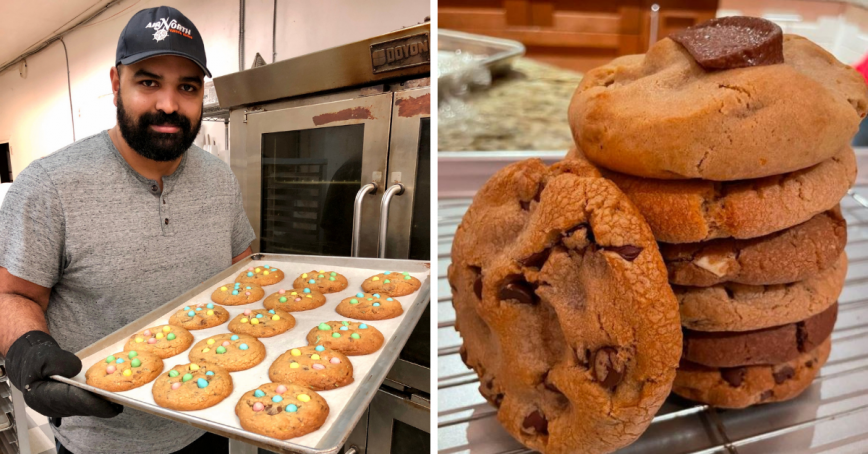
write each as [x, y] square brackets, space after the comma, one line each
[34, 111]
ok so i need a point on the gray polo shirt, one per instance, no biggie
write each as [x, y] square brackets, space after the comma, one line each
[112, 247]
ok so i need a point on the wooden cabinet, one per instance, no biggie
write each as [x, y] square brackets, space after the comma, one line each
[574, 34]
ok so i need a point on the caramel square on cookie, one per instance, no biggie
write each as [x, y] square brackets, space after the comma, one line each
[164, 341]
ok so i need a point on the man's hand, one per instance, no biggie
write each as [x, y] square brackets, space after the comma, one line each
[36, 356]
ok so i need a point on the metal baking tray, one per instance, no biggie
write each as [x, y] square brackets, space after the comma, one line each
[494, 54]
[345, 411]
[830, 416]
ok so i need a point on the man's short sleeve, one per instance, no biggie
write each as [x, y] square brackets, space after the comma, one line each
[242, 232]
[33, 228]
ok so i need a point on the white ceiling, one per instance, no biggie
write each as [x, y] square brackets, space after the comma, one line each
[27, 23]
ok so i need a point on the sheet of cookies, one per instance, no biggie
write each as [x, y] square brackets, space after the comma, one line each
[247, 380]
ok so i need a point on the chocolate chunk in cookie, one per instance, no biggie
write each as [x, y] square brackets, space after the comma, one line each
[733, 42]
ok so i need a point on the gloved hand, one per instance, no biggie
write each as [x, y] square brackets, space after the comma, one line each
[36, 356]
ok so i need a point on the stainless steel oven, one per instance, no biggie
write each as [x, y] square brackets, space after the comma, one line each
[332, 151]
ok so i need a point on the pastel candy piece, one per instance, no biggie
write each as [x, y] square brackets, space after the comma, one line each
[293, 366]
[258, 406]
[223, 289]
[276, 399]
[147, 332]
[247, 312]
[405, 273]
[249, 269]
[221, 349]
[345, 323]
[234, 292]
[110, 369]
[210, 342]
[344, 328]
[291, 408]
[314, 357]
[307, 290]
[234, 337]
[176, 385]
[191, 314]
[152, 341]
[407, 278]
[110, 358]
[376, 295]
[324, 327]
[280, 389]
[276, 317]
[376, 304]
[370, 299]
[335, 360]
[363, 326]
[360, 295]
[281, 291]
[166, 329]
[171, 336]
[173, 373]
[132, 354]
[298, 299]
[295, 352]
[244, 320]
[247, 293]
[210, 306]
[258, 315]
[355, 335]
[336, 334]
[320, 276]
[159, 336]
[265, 273]
[295, 293]
[258, 393]
[389, 299]
[194, 367]
[243, 347]
[318, 366]
[257, 270]
[136, 362]
[271, 311]
[333, 273]
[322, 271]
[201, 383]
[254, 321]
[119, 360]
[304, 276]
[387, 281]
[248, 288]
[127, 372]
[282, 299]
[311, 281]
[187, 377]
[354, 301]
[331, 278]
[266, 266]
[139, 339]
[250, 274]
[320, 348]
[187, 308]
[237, 284]
[375, 278]
[210, 372]
[303, 397]
[210, 312]
[226, 343]
[206, 350]
[387, 272]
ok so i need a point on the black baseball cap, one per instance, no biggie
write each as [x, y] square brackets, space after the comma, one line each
[160, 31]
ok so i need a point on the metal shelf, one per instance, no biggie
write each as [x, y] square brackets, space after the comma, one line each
[830, 416]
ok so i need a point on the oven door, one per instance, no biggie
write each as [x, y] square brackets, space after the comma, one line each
[408, 233]
[305, 166]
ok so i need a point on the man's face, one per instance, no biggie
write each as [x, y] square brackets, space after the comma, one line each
[159, 103]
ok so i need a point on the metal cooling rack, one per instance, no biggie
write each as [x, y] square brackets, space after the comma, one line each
[830, 416]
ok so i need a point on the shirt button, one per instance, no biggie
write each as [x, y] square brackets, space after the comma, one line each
[155, 188]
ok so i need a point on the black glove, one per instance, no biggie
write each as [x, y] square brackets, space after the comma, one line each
[36, 356]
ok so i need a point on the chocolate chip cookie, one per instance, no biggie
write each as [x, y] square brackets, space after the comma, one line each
[232, 352]
[295, 300]
[192, 386]
[281, 411]
[316, 367]
[739, 307]
[741, 387]
[809, 248]
[321, 281]
[262, 322]
[164, 341]
[721, 124]
[392, 283]
[260, 275]
[199, 316]
[562, 300]
[370, 306]
[236, 294]
[124, 371]
[349, 338]
[690, 211]
[765, 346]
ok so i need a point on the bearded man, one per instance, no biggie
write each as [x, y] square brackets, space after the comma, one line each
[111, 227]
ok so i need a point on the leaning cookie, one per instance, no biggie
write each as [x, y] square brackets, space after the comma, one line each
[391, 283]
[236, 294]
[262, 322]
[349, 338]
[260, 275]
[164, 341]
[192, 386]
[741, 387]
[281, 411]
[124, 371]
[322, 281]
[200, 316]
[233, 352]
[318, 368]
[295, 300]
[369, 306]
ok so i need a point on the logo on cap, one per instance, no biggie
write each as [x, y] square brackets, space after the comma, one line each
[164, 27]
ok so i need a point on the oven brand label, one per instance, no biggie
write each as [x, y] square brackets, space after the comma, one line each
[400, 53]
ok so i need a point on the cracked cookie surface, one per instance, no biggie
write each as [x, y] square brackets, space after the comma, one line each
[562, 301]
[717, 125]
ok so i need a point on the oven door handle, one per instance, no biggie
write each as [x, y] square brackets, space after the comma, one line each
[395, 189]
[357, 214]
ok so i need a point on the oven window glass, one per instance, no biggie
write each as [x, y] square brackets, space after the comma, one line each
[420, 233]
[408, 439]
[309, 183]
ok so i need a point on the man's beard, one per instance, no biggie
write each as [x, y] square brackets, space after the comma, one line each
[158, 146]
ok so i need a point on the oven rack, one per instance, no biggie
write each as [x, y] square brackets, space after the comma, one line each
[830, 416]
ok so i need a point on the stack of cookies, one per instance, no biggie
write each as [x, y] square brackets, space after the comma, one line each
[732, 140]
